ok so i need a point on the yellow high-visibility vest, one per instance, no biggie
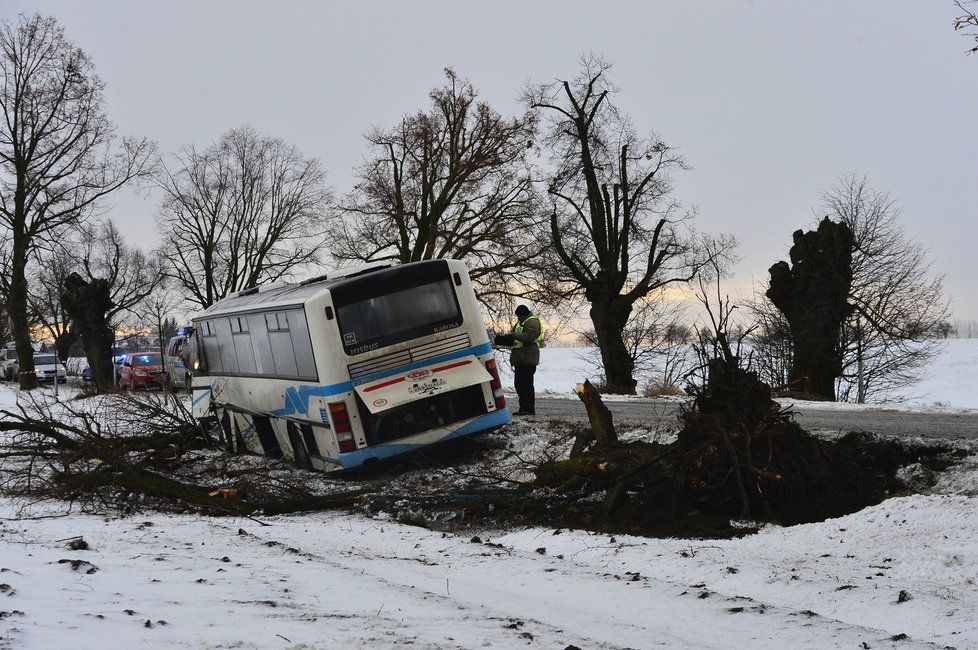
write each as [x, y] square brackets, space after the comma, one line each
[519, 329]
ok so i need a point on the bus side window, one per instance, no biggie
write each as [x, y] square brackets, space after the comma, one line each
[282, 353]
[301, 343]
[229, 360]
[212, 354]
[244, 352]
[264, 364]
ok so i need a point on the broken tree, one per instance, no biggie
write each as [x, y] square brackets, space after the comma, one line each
[602, 432]
[813, 296]
[88, 304]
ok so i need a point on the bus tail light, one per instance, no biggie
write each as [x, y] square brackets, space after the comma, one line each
[342, 426]
[496, 385]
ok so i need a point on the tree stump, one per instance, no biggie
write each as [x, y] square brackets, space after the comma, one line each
[602, 433]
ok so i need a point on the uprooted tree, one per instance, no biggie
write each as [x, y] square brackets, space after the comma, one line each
[736, 446]
[738, 454]
[813, 295]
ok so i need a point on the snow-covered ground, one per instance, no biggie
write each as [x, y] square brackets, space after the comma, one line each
[949, 382]
[900, 574]
[342, 581]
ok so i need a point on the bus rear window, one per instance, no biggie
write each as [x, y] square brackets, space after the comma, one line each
[398, 314]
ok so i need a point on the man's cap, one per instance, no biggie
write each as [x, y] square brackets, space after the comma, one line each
[522, 310]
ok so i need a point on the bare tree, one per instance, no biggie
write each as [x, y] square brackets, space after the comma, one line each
[771, 348]
[51, 269]
[156, 316]
[451, 181]
[896, 309]
[965, 328]
[945, 330]
[133, 275]
[246, 210]
[93, 252]
[57, 155]
[617, 235]
[659, 343]
[109, 282]
[897, 301]
[967, 23]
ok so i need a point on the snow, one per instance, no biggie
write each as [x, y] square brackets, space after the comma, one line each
[348, 581]
[948, 383]
[332, 580]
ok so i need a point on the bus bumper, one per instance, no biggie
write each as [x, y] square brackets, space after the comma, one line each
[356, 458]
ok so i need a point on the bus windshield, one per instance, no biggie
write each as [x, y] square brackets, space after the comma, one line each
[379, 310]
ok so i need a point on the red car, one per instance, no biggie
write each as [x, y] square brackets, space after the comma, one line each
[142, 370]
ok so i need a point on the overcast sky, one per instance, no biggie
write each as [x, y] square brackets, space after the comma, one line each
[769, 100]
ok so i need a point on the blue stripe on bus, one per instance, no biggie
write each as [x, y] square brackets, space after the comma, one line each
[207, 391]
[297, 397]
[356, 458]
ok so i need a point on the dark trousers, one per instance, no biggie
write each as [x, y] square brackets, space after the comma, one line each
[523, 383]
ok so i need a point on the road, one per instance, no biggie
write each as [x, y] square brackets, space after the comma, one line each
[884, 422]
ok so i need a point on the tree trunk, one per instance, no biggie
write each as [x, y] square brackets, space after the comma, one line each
[609, 320]
[813, 296]
[64, 342]
[860, 364]
[602, 423]
[815, 368]
[17, 305]
[88, 304]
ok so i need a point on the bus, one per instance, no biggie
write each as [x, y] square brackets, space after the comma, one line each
[353, 366]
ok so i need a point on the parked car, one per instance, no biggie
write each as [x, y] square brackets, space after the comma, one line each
[86, 373]
[47, 367]
[8, 362]
[142, 370]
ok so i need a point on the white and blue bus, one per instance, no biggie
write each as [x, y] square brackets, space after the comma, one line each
[355, 365]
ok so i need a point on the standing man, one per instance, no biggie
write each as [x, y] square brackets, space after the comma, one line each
[527, 336]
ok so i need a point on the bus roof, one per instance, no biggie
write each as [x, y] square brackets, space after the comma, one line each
[268, 297]
[281, 294]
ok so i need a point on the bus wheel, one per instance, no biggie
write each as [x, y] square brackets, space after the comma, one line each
[226, 428]
[299, 451]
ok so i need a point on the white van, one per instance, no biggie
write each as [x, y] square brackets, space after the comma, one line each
[173, 358]
[47, 367]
